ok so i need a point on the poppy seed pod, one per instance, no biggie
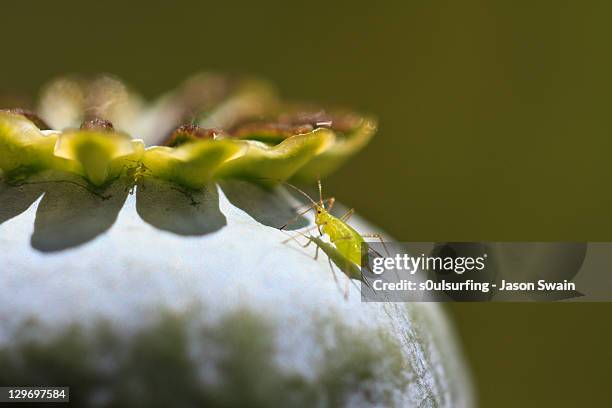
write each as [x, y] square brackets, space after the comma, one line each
[145, 274]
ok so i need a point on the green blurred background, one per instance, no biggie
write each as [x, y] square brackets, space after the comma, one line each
[494, 117]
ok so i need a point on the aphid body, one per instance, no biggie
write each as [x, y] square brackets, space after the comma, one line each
[345, 246]
[348, 267]
[346, 240]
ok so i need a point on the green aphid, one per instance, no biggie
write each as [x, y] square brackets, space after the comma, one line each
[345, 247]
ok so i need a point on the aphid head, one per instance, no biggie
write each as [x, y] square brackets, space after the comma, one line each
[321, 214]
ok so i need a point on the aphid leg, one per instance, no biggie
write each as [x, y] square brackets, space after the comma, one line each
[316, 251]
[308, 229]
[379, 237]
[332, 201]
[293, 237]
[348, 215]
[366, 281]
[304, 232]
[331, 266]
[378, 254]
[294, 219]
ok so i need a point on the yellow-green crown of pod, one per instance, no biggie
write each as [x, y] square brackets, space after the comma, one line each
[247, 133]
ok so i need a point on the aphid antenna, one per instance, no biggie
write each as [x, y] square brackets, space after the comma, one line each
[320, 191]
[294, 239]
[294, 219]
[292, 186]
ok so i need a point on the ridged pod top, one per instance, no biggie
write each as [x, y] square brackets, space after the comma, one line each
[212, 127]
